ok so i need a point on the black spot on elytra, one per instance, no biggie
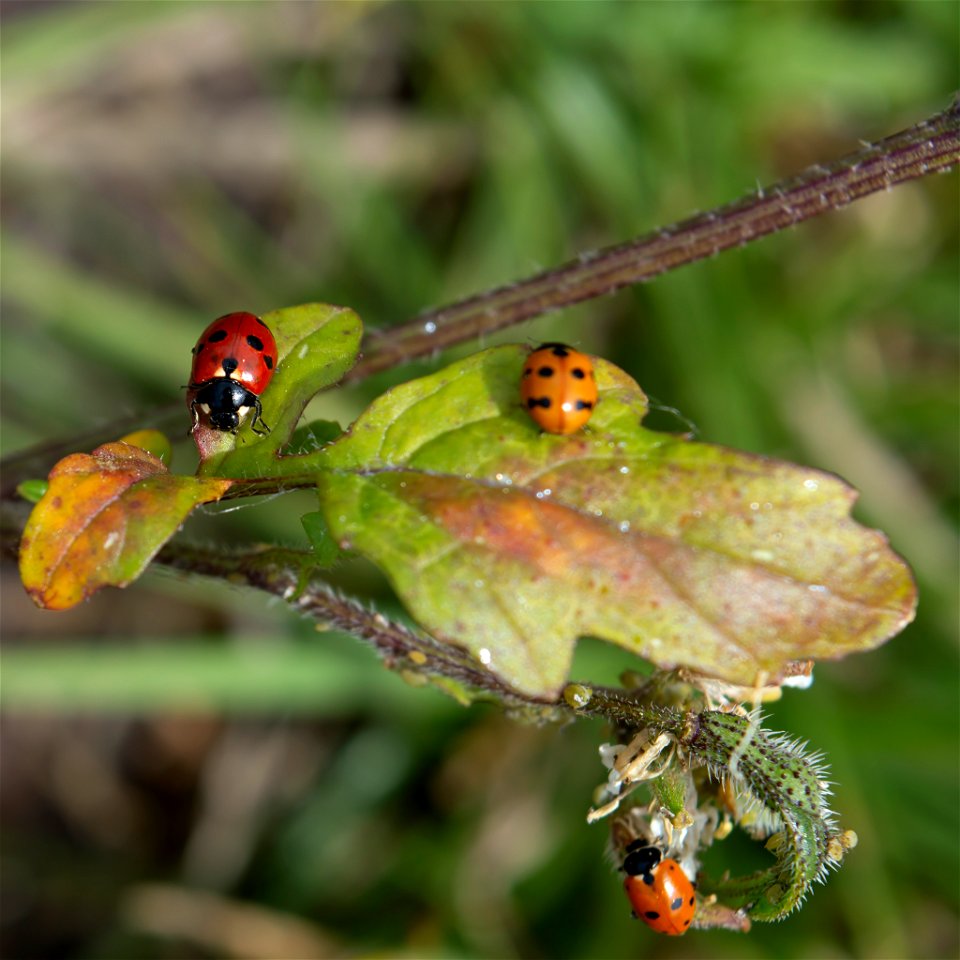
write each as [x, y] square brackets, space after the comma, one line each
[539, 402]
[584, 405]
[229, 364]
[693, 900]
[545, 371]
[578, 374]
[254, 342]
[199, 347]
[217, 336]
[651, 915]
[676, 904]
[268, 360]
[557, 349]
[686, 922]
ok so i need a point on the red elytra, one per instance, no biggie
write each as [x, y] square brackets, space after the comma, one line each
[660, 892]
[233, 362]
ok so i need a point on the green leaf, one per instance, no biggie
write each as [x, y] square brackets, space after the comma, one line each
[32, 490]
[317, 343]
[310, 437]
[512, 543]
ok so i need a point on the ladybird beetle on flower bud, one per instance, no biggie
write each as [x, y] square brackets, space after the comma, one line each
[233, 362]
[660, 892]
[558, 388]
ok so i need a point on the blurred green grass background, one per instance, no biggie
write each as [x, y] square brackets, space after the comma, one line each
[166, 163]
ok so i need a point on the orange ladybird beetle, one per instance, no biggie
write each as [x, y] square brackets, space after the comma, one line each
[660, 892]
[558, 388]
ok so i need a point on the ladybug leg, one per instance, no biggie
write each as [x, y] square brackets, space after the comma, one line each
[258, 417]
[196, 418]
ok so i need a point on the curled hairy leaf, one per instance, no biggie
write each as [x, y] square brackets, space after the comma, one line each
[778, 776]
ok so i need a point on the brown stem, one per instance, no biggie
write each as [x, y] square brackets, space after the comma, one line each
[287, 574]
[932, 146]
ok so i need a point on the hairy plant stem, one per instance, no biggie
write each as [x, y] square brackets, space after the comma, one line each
[932, 146]
[290, 576]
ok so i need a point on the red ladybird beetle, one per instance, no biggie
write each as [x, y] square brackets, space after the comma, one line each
[233, 362]
[558, 388]
[660, 892]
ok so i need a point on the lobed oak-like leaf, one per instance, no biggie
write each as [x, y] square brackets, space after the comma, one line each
[512, 543]
[103, 518]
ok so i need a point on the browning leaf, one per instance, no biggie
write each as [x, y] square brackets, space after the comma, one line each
[513, 543]
[101, 521]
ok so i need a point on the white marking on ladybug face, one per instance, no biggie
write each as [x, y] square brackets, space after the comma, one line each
[242, 412]
[205, 407]
[241, 376]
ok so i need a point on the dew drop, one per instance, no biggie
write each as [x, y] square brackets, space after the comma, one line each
[429, 327]
[811, 484]
[577, 695]
[485, 656]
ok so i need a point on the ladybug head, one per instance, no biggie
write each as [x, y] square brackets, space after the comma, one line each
[225, 402]
[641, 858]
[225, 420]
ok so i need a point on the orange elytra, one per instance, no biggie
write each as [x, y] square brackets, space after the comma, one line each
[558, 388]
